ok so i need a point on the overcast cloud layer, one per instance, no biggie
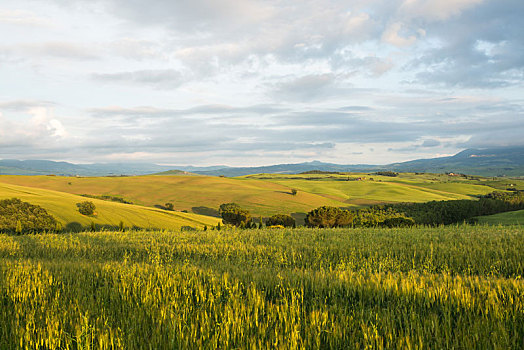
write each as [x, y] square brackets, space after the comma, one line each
[259, 82]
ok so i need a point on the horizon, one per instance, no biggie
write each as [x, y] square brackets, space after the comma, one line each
[259, 83]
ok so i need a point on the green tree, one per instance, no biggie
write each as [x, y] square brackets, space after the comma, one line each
[328, 217]
[121, 226]
[233, 214]
[169, 206]
[281, 219]
[86, 208]
[294, 192]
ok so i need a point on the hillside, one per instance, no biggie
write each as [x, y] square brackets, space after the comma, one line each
[264, 194]
[508, 161]
[509, 218]
[63, 207]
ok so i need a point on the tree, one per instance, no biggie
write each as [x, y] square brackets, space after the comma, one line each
[86, 208]
[121, 226]
[399, 221]
[281, 219]
[294, 192]
[233, 214]
[17, 216]
[169, 206]
[329, 217]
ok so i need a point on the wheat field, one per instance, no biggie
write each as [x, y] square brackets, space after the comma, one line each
[447, 287]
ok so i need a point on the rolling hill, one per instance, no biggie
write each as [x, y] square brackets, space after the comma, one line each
[508, 161]
[63, 207]
[263, 194]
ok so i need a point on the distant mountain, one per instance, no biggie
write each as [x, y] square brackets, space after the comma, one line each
[507, 161]
[287, 169]
[47, 167]
[488, 162]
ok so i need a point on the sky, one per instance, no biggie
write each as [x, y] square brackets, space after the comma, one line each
[246, 83]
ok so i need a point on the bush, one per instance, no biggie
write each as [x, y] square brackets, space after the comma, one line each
[86, 208]
[282, 220]
[329, 217]
[386, 173]
[19, 217]
[399, 221]
[233, 214]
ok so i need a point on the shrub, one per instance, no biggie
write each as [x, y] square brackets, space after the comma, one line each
[86, 208]
[281, 219]
[329, 217]
[233, 214]
[18, 216]
[399, 221]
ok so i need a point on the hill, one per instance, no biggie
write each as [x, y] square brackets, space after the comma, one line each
[501, 161]
[63, 207]
[265, 194]
[508, 161]
[509, 218]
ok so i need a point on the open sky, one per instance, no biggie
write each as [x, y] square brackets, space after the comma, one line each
[246, 82]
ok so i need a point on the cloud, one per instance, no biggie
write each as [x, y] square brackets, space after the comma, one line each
[482, 48]
[392, 36]
[155, 78]
[431, 143]
[65, 50]
[24, 105]
[25, 18]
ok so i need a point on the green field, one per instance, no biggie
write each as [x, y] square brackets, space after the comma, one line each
[508, 218]
[264, 194]
[63, 207]
[450, 287]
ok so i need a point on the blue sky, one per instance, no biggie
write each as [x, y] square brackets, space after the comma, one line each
[258, 82]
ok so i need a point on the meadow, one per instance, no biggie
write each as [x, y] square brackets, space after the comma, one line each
[508, 218]
[414, 288]
[63, 207]
[267, 194]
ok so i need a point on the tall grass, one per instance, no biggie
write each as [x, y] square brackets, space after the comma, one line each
[449, 287]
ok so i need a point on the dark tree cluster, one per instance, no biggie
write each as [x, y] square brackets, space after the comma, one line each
[329, 217]
[20, 217]
[282, 220]
[86, 208]
[233, 214]
[386, 173]
[457, 211]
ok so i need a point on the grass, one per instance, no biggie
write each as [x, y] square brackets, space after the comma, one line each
[508, 218]
[449, 287]
[263, 194]
[63, 206]
[382, 189]
[192, 193]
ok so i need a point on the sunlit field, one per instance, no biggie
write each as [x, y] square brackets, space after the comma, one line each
[447, 287]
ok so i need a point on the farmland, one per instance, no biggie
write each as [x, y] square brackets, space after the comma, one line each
[445, 287]
[63, 207]
[509, 218]
[267, 194]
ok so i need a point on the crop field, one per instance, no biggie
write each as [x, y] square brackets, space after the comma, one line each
[508, 218]
[63, 207]
[448, 287]
[193, 193]
[264, 194]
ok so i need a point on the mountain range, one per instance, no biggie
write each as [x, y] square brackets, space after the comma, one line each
[501, 161]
